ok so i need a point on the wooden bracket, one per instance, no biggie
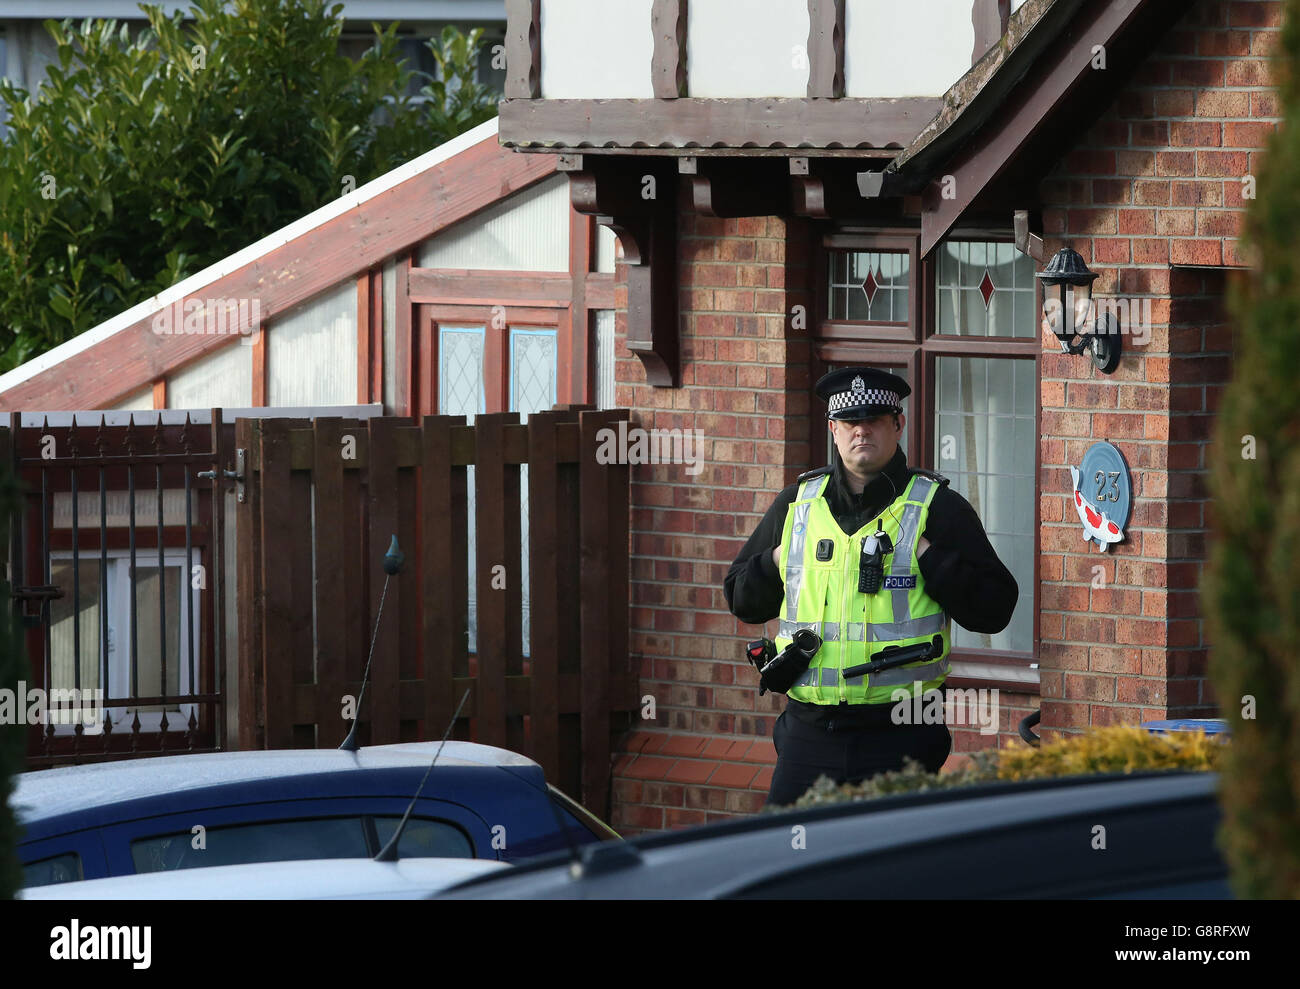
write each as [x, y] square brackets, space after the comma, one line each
[729, 188]
[646, 226]
[1026, 242]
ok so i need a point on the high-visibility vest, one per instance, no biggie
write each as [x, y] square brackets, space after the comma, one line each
[822, 595]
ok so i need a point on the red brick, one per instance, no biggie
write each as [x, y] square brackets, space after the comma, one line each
[1175, 163]
[1196, 133]
[1175, 103]
[1197, 193]
[649, 768]
[1134, 690]
[691, 771]
[1111, 251]
[1135, 163]
[629, 819]
[1092, 221]
[734, 775]
[679, 818]
[1137, 221]
[1248, 72]
[1153, 133]
[1219, 223]
[1252, 135]
[1222, 104]
[1091, 688]
[1111, 191]
[1175, 222]
[1197, 252]
[1223, 43]
[1263, 104]
[1229, 164]
[1150, 193]
[1200, 72]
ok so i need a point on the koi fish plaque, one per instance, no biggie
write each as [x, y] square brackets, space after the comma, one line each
[1103, 494]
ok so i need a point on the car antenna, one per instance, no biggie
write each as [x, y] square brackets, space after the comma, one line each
[393, 561]
[389, 852]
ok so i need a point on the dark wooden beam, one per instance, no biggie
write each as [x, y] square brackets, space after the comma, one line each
[826, 49]
[668, 62]
[643, 195]
[259, 368]
[659, 125]
[1028, 242]
[466, 287]
[523, 49]
[365, 335]
[990, 20]
[1025, 112]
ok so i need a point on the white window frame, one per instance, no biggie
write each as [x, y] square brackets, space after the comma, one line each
[119, 636]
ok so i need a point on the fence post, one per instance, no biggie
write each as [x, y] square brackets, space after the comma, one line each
[331, 556]
[496, 509]
[251, 614]
[444, 581]
[599, 597]
[381, 478]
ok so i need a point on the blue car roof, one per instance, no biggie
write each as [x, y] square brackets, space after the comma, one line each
[47, 794]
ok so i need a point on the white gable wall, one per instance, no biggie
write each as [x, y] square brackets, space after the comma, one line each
[527, 232]
[763, 53]
[918, 48]
[596, 51]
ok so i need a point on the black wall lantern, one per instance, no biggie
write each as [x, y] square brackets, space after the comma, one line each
[1069, 312]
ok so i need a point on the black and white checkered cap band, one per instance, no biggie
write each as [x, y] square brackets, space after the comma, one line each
[867, 396]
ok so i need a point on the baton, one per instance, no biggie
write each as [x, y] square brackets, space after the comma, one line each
[894, 656]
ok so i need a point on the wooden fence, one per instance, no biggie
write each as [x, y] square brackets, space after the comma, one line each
[322, 500]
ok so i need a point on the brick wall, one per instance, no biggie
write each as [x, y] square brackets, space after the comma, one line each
[708, 752]
[1155, 187]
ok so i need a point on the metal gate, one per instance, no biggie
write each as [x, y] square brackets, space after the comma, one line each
[116, 570]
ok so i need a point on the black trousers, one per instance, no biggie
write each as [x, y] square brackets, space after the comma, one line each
[848, 754]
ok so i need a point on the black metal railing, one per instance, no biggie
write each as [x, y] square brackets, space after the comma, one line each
[57, 460]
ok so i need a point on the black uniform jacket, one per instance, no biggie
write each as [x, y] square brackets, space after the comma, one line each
[961, 570]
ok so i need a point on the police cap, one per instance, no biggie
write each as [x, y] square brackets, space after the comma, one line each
[859, 392]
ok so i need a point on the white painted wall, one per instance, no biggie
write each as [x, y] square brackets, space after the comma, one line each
[596, 51]
[763, 53]
[311, 351]
[527, 232]
[223, 378]
[140, 401]
[917, 48]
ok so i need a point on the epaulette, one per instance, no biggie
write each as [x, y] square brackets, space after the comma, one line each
[812, 473]
[932, 475]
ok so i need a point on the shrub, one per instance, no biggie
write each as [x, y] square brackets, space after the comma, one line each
[1116, 749]
[143, 160]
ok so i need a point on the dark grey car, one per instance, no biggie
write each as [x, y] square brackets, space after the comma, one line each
[1149, 835]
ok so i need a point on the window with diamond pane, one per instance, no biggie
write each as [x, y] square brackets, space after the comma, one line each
[532, 389]
[985, 290]
[985, 443]
[460, 393]
[869, 286]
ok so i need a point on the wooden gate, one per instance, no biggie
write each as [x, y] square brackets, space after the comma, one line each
[322, 500]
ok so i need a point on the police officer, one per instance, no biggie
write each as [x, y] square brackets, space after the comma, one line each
[803, 565]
